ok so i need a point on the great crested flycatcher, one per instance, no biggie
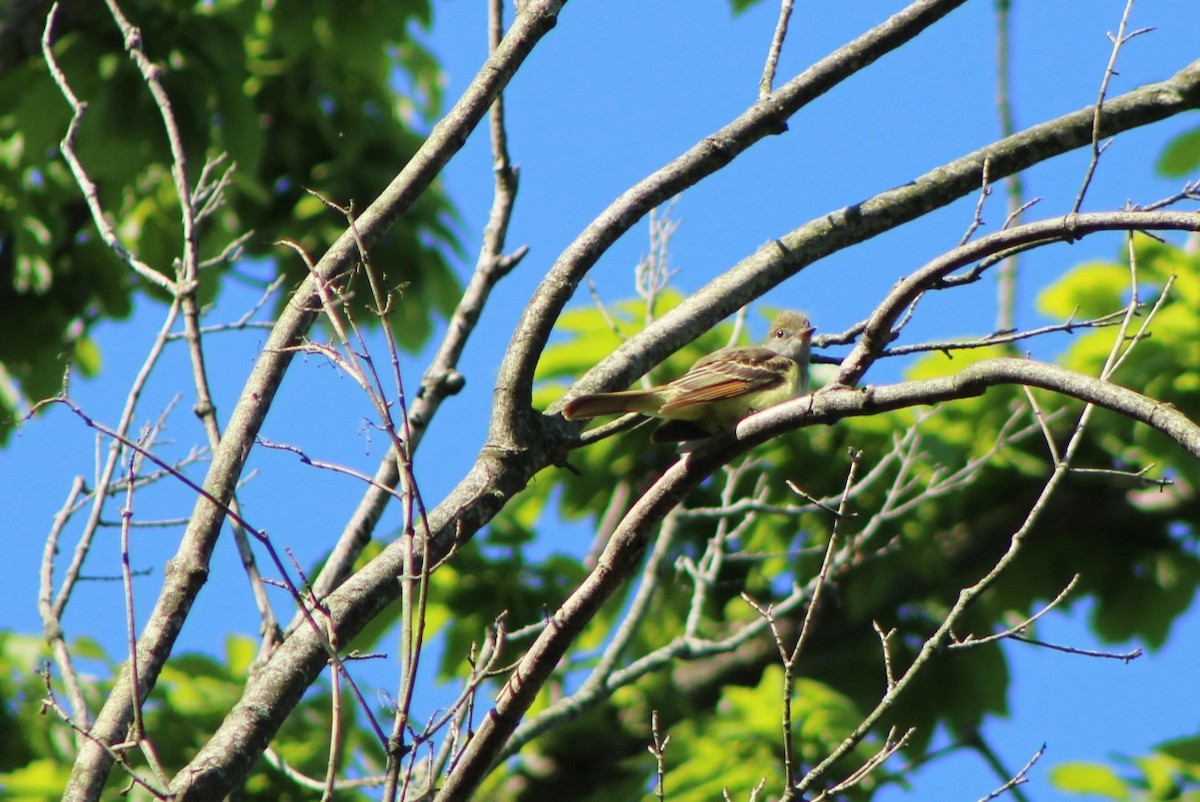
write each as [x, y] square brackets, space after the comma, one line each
[720, 389]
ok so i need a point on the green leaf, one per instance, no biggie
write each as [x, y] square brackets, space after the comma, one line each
[1181, 156]
[86, 355]
[1159, 588]
[1186, 750]
[1089, 778]
[1089, 290]
[1160, 775]
[37, 780]
[738, 6]
[240, 652]
[741, 743]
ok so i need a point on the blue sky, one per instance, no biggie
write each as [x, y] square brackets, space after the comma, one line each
[615, 91]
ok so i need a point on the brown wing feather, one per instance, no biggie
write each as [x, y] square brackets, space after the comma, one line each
[727, 373]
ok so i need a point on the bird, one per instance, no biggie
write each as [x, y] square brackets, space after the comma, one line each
[719, 389]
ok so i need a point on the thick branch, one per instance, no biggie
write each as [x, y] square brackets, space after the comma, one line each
[834, 403]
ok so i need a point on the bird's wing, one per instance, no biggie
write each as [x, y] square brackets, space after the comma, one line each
[728, 373]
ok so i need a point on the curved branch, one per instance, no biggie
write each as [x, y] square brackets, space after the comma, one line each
[841, 228]
[769, 115]
[877, 333]
[834, 403]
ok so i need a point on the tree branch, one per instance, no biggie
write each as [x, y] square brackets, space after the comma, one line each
[841, 228]
[878, 331]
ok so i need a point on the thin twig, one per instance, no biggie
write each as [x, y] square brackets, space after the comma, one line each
[1019, 778]
[51, 621]
[1015, 631]
[1110, 70]
[91, 193]
[658, 748]
[781, 27]
[985, 191]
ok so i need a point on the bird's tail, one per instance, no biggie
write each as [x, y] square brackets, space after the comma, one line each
[647, 402]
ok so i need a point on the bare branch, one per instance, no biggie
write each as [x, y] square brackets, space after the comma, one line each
[1017, 779]
[90, 192]
[781, 27]
[51, 619]
[971, 642]
[658, 748]
[1006, 278]
[878, 330]
[1110, 70]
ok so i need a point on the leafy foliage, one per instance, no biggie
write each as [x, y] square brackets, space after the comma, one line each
[738, 6]
[1170, 772]
[732, 747]
[193, 695]
[1181, 157]
[245, 80]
